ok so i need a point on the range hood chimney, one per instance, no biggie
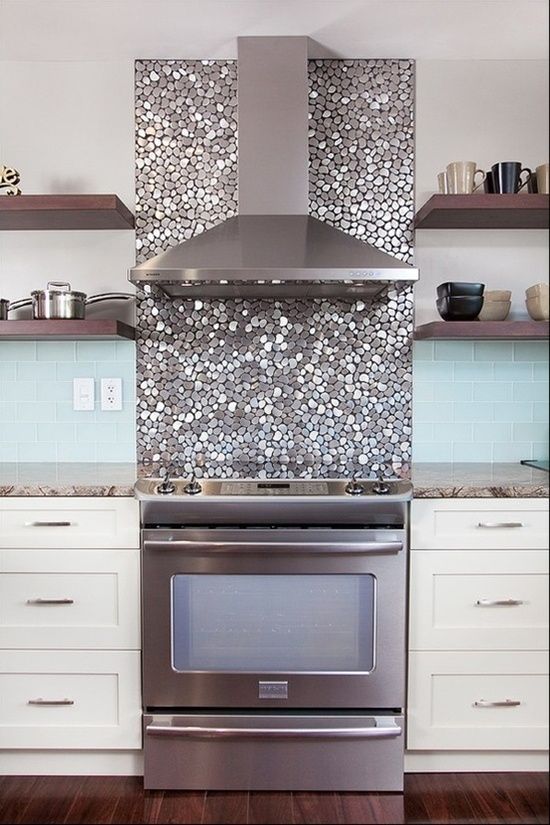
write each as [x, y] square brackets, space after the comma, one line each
[273, 248]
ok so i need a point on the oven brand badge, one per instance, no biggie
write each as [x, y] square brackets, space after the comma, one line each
[272, 690]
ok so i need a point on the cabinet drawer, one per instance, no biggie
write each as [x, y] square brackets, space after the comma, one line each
[491, 524]
[69, 522]
[69, 599]
[75, 699]
[478, 600]
[478, 701]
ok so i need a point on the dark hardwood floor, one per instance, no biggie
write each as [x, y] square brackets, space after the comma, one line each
[428, 798]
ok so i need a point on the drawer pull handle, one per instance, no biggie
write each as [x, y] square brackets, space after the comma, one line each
[498, 602]
[504, 703]
[50, 702]
[50, 601]
[495, 525]
[48, 524]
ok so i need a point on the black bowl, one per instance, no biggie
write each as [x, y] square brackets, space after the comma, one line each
[459, 288]
[460, 307]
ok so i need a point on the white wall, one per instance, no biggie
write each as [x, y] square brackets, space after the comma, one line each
[487, 111]
[68, 127]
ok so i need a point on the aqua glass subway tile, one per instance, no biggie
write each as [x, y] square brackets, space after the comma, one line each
[492, 432]
[425, 451]
[530, 351]
[18, 390]
[125, 432]
[65, 412]
[423, 351]
[17, 351]
[453, 432]
[540, 371]
[512, 451]
[472, 451]
[35, 412]
[422, 432]
[125, 351]
[7, 371]
[473, 371]
[434, 412]
[95, 432]
[472, 412]
[55, 351]
[512, 413]
[423, 391]
[36, 452]
[530, 391]
[541, 411]
[95, 351]
[56, 432]
[493, 351]
[454, 350]
[55, 391]
[513, 371]
[126, 415]
[122, 451]
[7, 411]
[493, 391]
[33, 370]
[18, 432]
[531, 432]
[71, 451]
[540, 450]
[453, 391]
[67, 370]
[432, 370]
[8, 452]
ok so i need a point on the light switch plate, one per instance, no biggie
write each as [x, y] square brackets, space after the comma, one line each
[83, 394]
[111, 393]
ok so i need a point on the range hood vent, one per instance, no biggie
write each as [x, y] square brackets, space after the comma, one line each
[273, 248]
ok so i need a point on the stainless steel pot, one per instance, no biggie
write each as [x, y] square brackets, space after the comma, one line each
[58, 300]
[4, 306]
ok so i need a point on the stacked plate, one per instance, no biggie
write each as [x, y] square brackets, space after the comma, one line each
[459, 301]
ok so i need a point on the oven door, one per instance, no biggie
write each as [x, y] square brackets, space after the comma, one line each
[274, 618]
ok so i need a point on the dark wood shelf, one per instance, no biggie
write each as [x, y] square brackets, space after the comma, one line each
[64, 212]
[484, 212]
[105, 329]
[483, 330]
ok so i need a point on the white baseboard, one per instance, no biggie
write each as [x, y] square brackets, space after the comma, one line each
[475, 761]
[71, 763]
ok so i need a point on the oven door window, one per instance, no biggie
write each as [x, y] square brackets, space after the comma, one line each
[273, 623]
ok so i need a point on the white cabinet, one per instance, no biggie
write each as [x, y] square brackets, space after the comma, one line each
[478, 626]
[69, 624]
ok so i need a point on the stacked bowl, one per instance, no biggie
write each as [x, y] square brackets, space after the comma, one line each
[496, 305]
[536, 301]
[459, 301]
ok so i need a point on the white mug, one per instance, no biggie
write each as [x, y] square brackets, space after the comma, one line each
[442, 183]
[543, 178]
[461, 176]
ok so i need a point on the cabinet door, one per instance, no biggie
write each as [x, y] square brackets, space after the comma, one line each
[69, 599]
[478, 600]
[485, 524]
[60, 523]
[70, 699]
[478, 701]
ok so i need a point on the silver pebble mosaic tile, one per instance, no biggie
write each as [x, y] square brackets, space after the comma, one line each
[275, 388]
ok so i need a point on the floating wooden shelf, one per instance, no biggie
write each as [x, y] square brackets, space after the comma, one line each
[484, 212]
[64, 212]
[104, 329]
[483, 330]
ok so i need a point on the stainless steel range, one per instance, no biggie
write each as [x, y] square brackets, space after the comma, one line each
[274, 633]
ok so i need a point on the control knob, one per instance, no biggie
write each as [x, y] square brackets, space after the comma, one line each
[166, 486]
[193, 487]
[354, 488]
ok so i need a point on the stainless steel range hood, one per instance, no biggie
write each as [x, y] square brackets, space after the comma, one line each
[273, 248]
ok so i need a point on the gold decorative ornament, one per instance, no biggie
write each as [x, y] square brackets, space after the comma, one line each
[9, 178]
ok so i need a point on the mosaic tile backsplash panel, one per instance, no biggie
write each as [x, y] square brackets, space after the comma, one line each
[275, 387]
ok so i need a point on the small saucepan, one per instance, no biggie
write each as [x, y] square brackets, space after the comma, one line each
[58, 300]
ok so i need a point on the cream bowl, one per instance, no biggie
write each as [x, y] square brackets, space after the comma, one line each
[537, 308]
[494, 310]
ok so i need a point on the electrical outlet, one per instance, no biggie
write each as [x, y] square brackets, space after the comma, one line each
[111, 393]
[83, 394]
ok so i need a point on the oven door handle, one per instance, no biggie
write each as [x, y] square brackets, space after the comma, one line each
[193, 548]
[197, 732]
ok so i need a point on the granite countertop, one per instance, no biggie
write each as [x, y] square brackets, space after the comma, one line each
[429, 480]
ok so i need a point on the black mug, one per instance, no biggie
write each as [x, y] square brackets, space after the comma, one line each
[506, 177]
[488, 187]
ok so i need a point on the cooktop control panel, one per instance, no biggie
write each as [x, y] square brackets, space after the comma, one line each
[274, 488]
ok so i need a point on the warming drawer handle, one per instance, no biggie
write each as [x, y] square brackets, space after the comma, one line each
[50, 601]
[190, 732]
[498, 602]
[495, 525]
[50, 702]
[48, 524]
[291, 547]
[504, 703]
